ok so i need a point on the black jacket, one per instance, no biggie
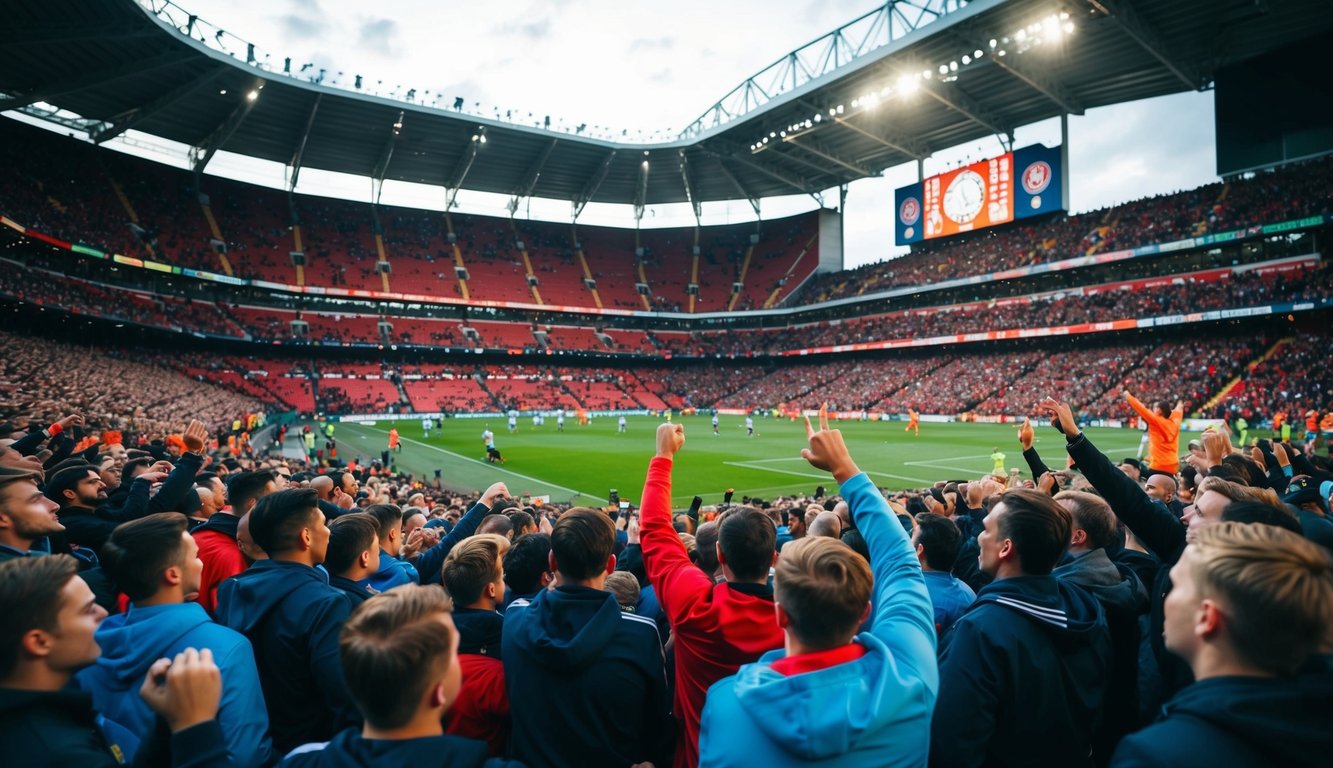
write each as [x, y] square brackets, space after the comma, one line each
[1157, 529]
[586, 682]
[292, 617]
[58, 729]
[349, 750]
[1023, 676]
[1240, 722]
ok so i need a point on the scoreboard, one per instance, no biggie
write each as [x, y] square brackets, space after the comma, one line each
[1016, 185]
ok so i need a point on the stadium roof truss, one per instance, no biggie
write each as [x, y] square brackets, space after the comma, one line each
[891, 86]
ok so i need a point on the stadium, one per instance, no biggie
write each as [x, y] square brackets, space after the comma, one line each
[384, 352]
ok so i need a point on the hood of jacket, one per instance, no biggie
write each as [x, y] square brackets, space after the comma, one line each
[828, 712]
[245, 599]
[567, 628]
[350, 750]
[132, 641]
[223, 522]
[1112, 584]
[1069, 613]
[479, 631]
[1284, 718]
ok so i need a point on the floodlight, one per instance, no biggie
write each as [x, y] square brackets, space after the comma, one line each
[252, 95]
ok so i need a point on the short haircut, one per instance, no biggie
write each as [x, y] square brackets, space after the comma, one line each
[582, 541]
[135, 465]
[528, 558]
[705, 547]
[519, 519]
[1276, 588]
[387, 517]
[277, 520]
[242, 487]
[939, 538]
[749, 539]
[349, 536]
[1038, 526]
[824, 587]
[1091, 514]
[1257, 512]
[1238, 492]
[497, 523]
[625, 587]
[30, 599]
[470, 566]
[393, 648]
[1253, 474]
[138, 552]
[66, 480]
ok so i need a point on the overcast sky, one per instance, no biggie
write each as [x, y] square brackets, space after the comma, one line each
[643, 66]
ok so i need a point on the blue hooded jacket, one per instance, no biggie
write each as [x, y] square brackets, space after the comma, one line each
[132, 641]
[586, 680]
[292, 617]
[392, 573]
[874, 710]
[1023, 677]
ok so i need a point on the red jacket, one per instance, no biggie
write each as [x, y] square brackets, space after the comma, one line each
[222, 560]
[718, 627]
[481, 710]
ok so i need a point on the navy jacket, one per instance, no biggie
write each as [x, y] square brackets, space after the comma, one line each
[586, 682]
[1239, 722]
[349, 750]
[1023, 677]
[356, 592]
[292, 618]
[58, 729]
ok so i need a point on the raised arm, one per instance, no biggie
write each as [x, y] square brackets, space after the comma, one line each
[680, 585]
[903, 618]
[429, 562]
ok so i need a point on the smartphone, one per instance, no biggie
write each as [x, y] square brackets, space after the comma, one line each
[624, 507]
[614, 498]
[694, 507]
[726, 497]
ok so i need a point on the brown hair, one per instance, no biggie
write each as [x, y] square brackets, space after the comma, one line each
[582, 541]
[30, 599]
[1039, 527]
[392, 648]
[1238, 492]
[474, 563]
[824, 587]
[1275, 586]
[138, 552]
[349, 536]
[1091, 514]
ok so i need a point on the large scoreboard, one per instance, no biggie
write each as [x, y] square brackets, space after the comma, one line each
[1016, 185]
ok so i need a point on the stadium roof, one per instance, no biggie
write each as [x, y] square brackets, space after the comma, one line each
[906, 77]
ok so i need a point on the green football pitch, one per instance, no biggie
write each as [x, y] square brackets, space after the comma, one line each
[583, 463]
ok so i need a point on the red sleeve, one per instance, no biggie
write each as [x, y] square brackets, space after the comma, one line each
[679, 583]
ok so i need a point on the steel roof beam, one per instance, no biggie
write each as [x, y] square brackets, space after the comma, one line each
[799, 185]
[1141, 32]
[810, 145]
[685, 182]
[535, 172]
[460, 173]
[85, 80]
[593, 184]
[641, 192]
[204, 151]
[134, 117]
[299, 153]
[955, 98]
[57, 34]
[735, 182]
[386, 155]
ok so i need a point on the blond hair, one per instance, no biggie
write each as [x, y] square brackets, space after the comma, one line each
[824, 587]
[1275, 586]
[474, 563]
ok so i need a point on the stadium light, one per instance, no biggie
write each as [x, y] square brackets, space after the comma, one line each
[252, 95]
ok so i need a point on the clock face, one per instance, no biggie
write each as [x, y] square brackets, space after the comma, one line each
[965, 197]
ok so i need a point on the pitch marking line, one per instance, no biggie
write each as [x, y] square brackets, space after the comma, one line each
[494, 468]
[755, 465]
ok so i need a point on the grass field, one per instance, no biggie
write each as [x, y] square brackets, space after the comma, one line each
[583, 463]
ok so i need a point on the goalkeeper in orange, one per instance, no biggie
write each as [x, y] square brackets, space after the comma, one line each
[913, 422]
[1163, 433]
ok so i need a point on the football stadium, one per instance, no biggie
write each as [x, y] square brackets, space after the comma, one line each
[952, 391]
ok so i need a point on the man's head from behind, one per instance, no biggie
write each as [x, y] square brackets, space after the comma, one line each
[79, 486]
[581, 545]
[746, 544]
[288, 525]
[1093, 524]
[936, 540]
[389, 524]
[154, 557]
[1025, 534]
[245, 489]
[474, 571]
[822, 590]
[1256, 596]
[50, 618]
[354, 548]
[527, 565]
[400, 656]
[26, 515]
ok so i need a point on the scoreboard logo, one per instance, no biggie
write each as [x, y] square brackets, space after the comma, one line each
[1037, 177]
[910, 211]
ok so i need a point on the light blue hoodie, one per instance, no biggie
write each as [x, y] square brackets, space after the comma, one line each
[132, 641]
[874, 710]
